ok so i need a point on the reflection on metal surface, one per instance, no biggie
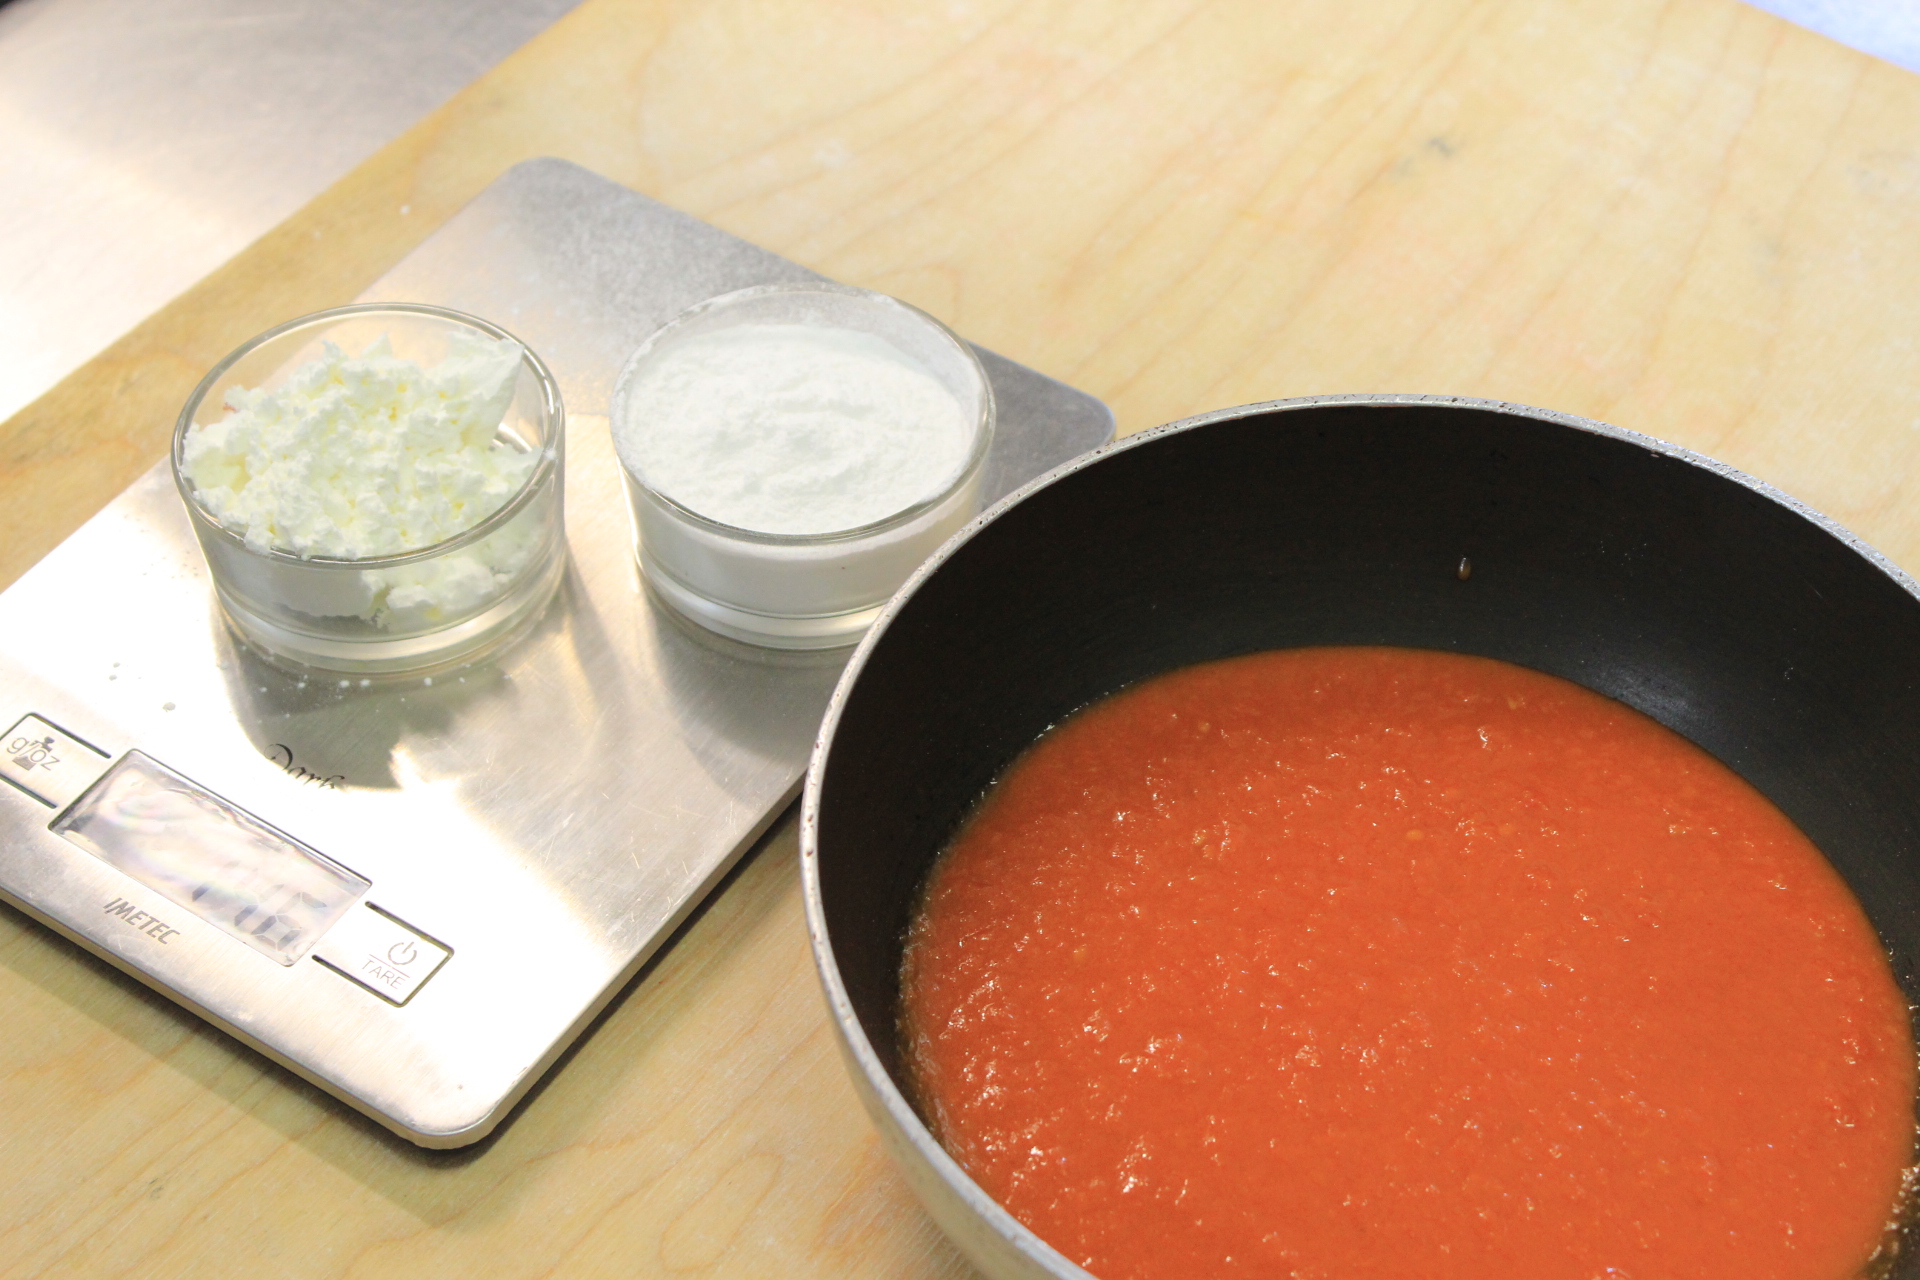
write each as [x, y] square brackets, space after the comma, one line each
[550, 812]
[145, 142]
[1887, 29]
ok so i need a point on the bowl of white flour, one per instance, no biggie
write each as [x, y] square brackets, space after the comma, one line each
[376, 488]
[793, 452]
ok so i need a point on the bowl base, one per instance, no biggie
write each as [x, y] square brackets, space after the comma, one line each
[462, 642]
[770, 631]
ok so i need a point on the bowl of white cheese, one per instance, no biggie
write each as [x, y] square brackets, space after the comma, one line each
[376, 488]
[793, 452]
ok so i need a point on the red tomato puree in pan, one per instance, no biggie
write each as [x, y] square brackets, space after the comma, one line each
[1366, 962]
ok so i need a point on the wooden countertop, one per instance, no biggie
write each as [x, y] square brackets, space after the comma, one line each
[1680, 216]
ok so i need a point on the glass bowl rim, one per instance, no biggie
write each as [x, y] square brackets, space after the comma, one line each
[536, 480]
[984, 425]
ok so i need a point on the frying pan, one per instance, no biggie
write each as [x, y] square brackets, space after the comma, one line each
[1730, 613]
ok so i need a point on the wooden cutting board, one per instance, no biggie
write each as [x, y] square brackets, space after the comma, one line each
[1681, 216]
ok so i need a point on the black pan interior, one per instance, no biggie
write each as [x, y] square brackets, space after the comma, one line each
[1723, 613]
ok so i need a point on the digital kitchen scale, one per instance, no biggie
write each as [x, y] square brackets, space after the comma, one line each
[416, 891]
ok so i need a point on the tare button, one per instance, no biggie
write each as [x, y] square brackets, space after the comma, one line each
[382, 954]
[48, 763]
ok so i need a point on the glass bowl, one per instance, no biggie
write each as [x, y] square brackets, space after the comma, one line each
[811, 590]
[410, 610]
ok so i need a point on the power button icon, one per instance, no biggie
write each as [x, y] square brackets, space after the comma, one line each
[381, 952]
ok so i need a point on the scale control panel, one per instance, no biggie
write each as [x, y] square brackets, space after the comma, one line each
[51, 766]
[382, 953]
[207, 856]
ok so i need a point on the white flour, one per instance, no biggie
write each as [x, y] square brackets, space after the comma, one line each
[792, 429]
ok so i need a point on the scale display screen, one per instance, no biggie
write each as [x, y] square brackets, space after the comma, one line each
[211, 858]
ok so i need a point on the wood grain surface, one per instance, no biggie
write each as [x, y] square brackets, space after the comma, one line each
[1681, 216]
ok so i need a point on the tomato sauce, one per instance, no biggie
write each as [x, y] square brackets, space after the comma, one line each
[1364, 962]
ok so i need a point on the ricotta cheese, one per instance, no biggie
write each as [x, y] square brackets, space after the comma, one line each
[362, 456]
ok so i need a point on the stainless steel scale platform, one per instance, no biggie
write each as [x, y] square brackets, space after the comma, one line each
[528, 828]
